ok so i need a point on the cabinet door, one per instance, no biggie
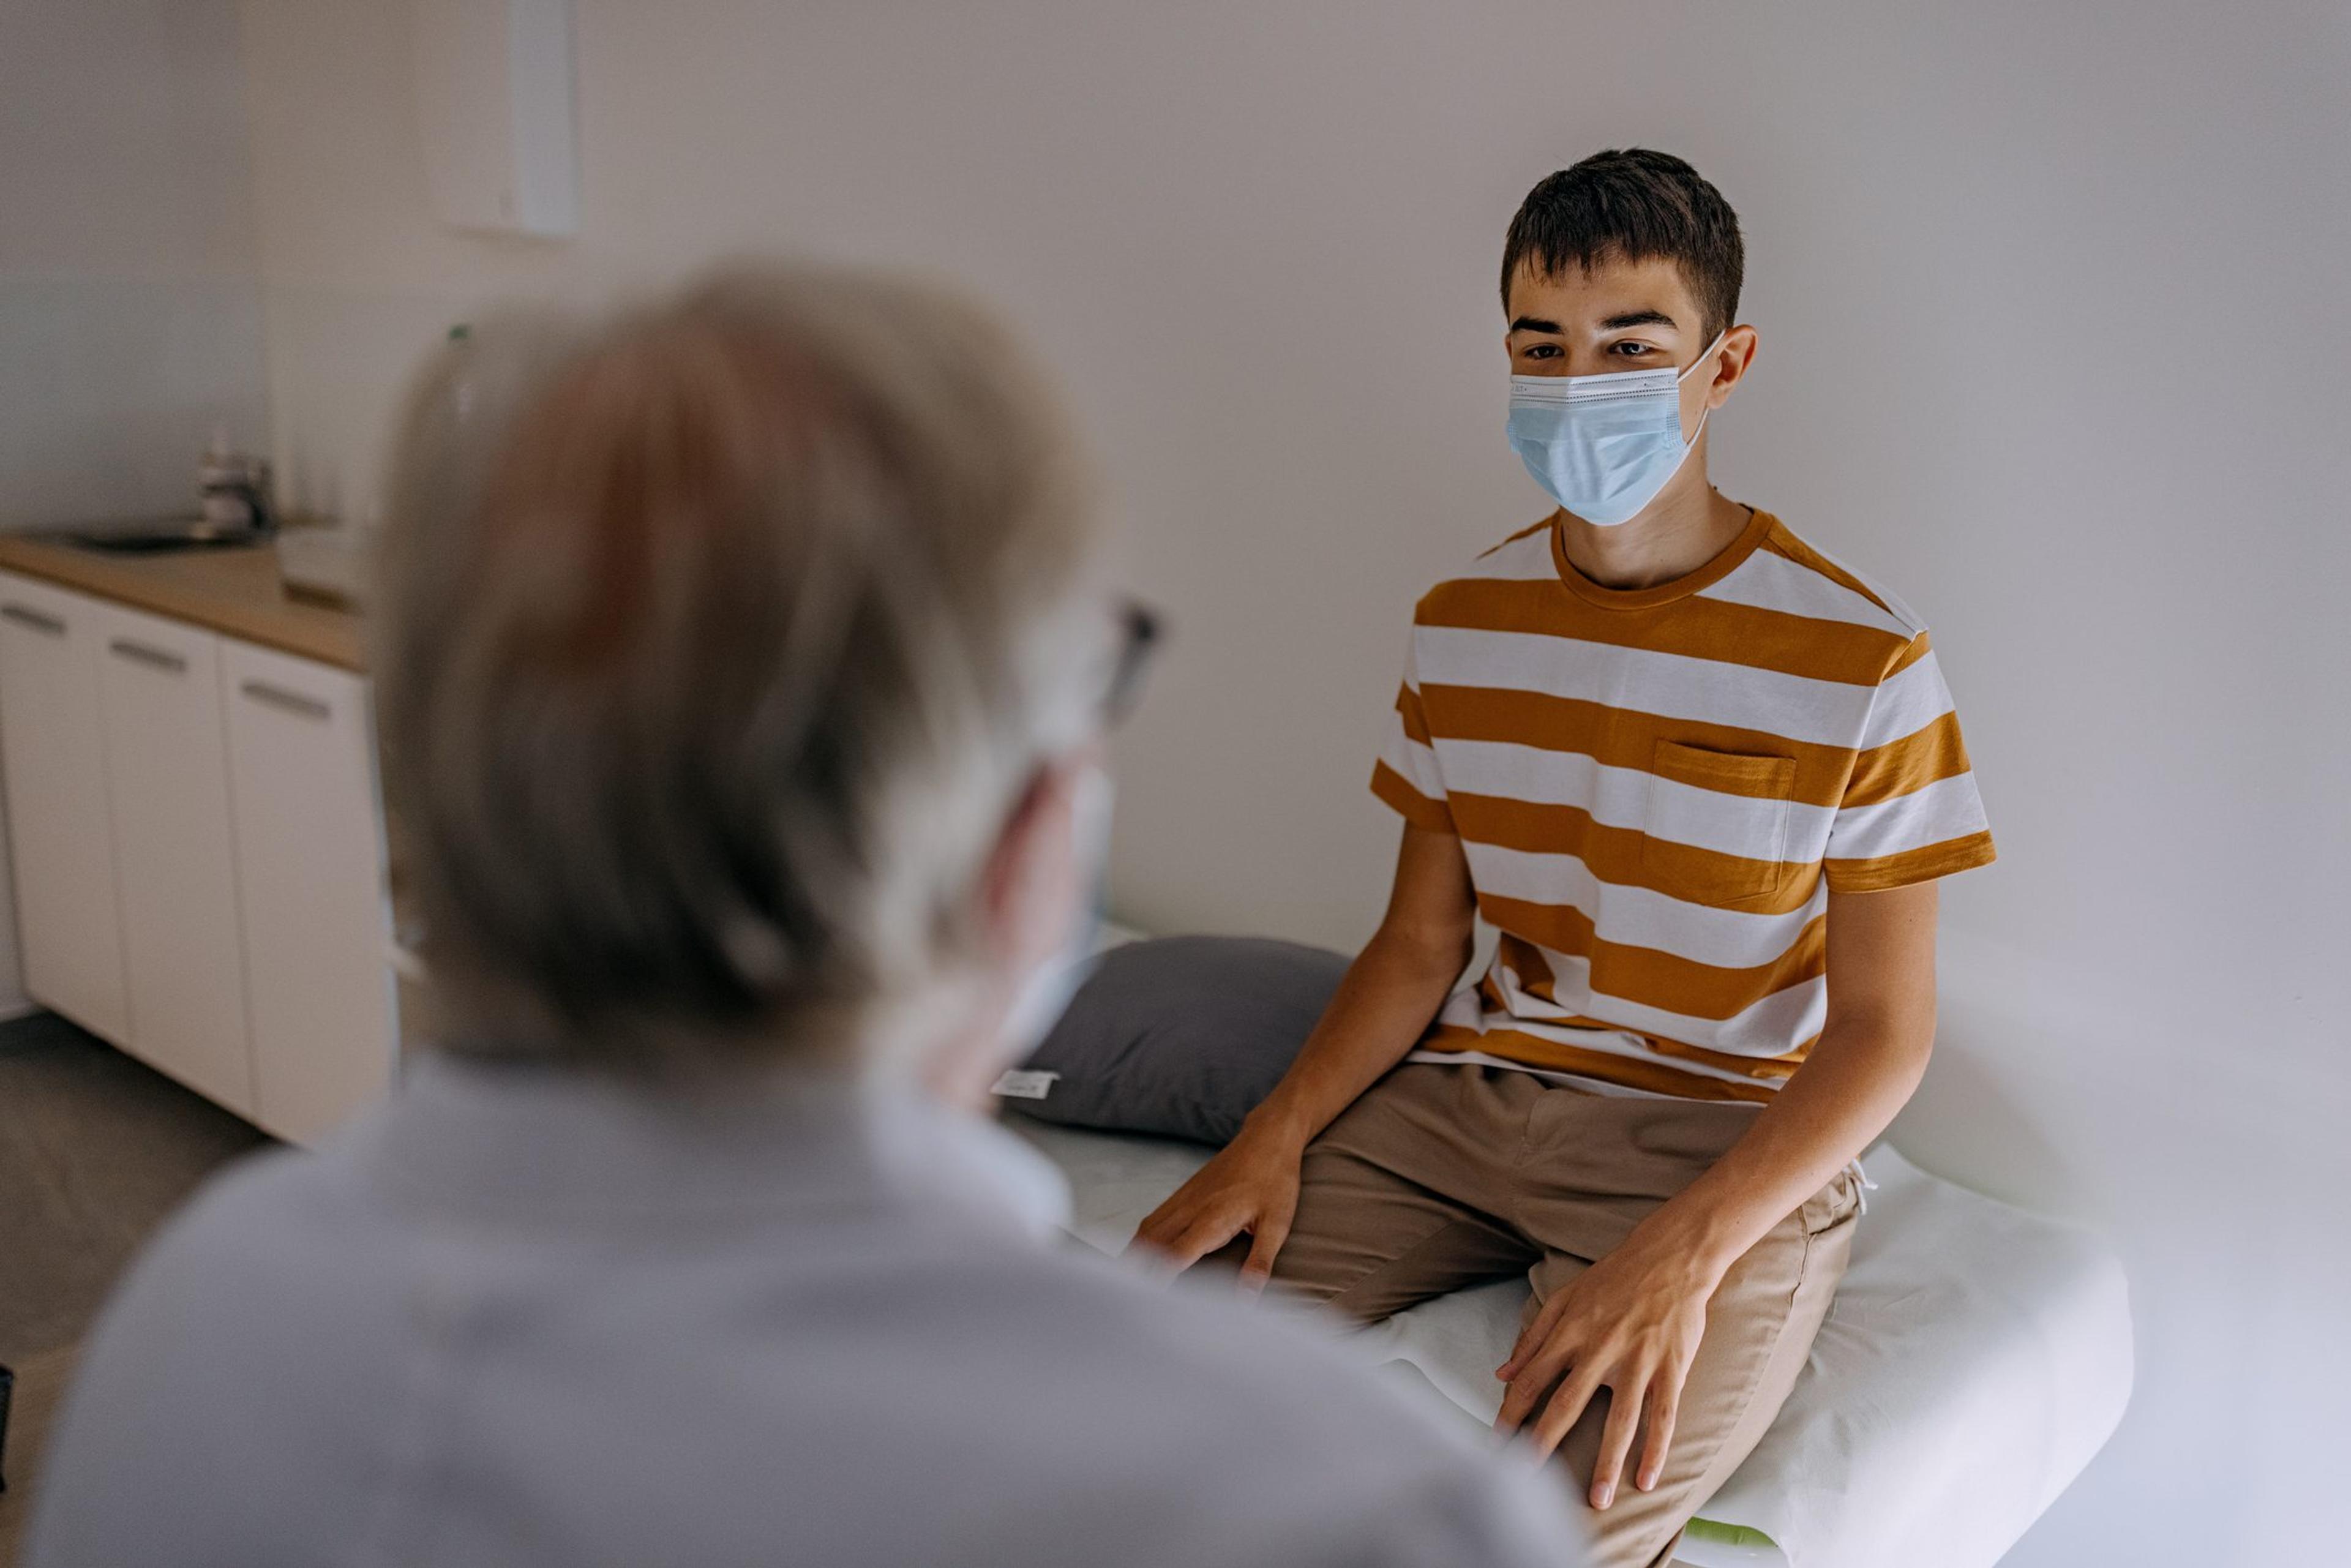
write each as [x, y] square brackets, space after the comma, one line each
[53, 759]
[167, 779]
[310, 886]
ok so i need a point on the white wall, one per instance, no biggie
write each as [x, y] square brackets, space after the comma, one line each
[2052, 326]
[130, 309]
[129, 297]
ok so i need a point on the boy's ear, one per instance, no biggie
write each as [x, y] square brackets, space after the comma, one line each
[1733, 358]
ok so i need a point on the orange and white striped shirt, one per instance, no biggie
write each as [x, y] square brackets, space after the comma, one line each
[1657, 787]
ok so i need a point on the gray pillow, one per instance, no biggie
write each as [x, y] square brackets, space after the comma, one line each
[1180, 1036]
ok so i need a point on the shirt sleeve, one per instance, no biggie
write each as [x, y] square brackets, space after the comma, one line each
[1910, 811]
[1406, 775]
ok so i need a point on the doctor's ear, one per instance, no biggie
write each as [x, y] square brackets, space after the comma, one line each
[1029, 890]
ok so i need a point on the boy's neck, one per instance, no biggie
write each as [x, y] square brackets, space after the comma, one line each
[1687, 524]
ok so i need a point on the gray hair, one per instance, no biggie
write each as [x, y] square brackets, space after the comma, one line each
[715, 645]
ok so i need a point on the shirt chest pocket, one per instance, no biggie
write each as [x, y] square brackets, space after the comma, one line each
[1717, 827]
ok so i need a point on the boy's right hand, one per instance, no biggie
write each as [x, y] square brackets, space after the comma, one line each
[1251, 1185]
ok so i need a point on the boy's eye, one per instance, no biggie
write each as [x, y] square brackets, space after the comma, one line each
[1541, 351]
[1632, 350]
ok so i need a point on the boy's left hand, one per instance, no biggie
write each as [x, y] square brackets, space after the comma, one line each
[1630, 1324]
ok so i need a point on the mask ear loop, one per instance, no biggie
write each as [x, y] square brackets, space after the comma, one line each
[1691, 444]
[1706, 353]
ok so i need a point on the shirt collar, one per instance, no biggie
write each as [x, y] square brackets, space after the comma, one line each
[550, 1143]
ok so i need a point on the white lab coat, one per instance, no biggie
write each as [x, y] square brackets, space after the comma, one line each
[516, 1316]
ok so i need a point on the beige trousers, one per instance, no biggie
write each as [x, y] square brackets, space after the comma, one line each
[1442, 1176]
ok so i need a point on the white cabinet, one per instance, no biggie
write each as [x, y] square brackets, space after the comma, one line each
[494, 82]
[53, 761]
[175, 873]
[311, 888]
[199, 854]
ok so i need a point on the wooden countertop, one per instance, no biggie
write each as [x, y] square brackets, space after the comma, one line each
[233, 590]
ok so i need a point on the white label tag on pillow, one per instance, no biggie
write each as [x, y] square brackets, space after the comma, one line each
[1021, 1084]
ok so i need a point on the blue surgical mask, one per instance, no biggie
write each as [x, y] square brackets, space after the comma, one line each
[1604, 445]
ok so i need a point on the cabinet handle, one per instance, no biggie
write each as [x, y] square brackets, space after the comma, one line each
[290, 702]
[34, 619]
[140, 654]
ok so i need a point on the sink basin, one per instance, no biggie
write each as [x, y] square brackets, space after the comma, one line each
[150, 536]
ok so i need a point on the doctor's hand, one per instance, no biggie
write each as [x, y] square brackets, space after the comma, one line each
[1630, 1324]
[1251, 1186]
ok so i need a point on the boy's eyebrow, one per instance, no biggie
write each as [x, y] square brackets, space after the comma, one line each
[1614, 323]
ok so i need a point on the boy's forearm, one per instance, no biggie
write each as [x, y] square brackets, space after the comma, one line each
[1859, 1074]
[1381, 1010]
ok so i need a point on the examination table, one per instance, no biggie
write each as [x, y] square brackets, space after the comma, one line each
[1976, 1359]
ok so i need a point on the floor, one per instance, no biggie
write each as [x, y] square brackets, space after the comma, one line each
[95, 1150]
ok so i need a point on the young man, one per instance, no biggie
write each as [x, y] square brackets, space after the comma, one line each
[1702, 778]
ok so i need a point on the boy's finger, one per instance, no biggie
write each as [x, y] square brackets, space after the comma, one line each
[1566, 1407]
[1158, 1227]
[1615, 1442]
[1531, 1337]
[1665, 1402]
[1203, 1236]
[1535, 1375]
[1263, 1248]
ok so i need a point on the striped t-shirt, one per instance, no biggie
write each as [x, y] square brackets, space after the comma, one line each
[1657, 787]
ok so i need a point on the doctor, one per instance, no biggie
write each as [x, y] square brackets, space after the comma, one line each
[741, 668]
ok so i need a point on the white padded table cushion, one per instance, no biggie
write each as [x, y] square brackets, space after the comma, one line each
[1976, 1358]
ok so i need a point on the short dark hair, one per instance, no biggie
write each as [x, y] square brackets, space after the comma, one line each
[1629, 204]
